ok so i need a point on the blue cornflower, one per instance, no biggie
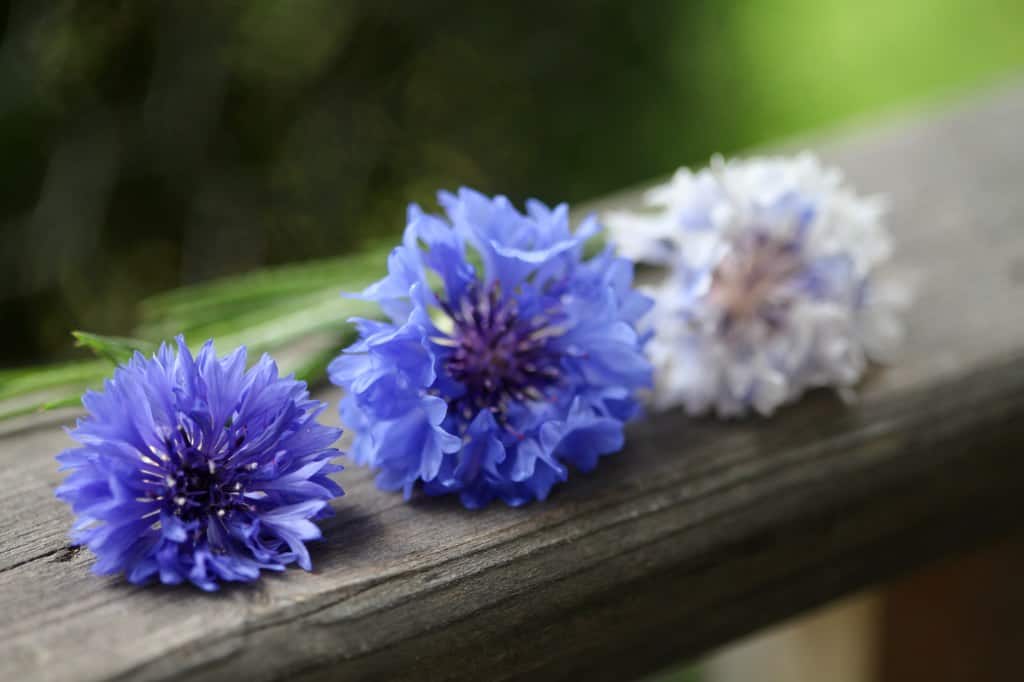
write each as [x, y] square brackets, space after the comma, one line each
[196, 469]
[507, 356]
[776, 281]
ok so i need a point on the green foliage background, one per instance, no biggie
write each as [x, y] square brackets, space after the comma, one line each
[148, 145]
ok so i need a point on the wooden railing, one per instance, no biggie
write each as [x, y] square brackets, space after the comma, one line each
[698, 532]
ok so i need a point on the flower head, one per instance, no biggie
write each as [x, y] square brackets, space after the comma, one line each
[772, 283]
[195, 469]
[507, 355]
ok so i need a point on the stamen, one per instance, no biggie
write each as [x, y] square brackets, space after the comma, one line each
[496, 355]
[751, 281]
[444, 341]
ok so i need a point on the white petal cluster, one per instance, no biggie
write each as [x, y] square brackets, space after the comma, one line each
[771, 283]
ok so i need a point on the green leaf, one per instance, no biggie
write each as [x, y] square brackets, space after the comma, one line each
[21, 411]
[117, 349]
[66, 401]
[16, 382]
[35, 408]
[268, 285]
[289, 323]
[198, 328]
[72, 376]
[267, 311]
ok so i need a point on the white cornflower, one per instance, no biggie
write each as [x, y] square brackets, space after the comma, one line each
[771, 283]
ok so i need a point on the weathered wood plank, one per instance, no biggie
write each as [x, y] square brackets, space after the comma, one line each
[697, 533]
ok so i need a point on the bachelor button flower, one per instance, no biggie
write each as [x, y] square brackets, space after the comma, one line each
[771, 284]
[507, 356]
[198, 470]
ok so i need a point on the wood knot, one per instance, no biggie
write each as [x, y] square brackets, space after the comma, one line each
[68, 553]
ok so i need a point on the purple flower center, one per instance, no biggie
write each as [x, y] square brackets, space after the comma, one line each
[193, 485]
[754, 280]
[497, 354]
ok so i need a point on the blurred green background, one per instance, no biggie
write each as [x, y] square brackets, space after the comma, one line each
[149, 144]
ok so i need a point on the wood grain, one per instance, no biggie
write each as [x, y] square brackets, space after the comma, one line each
[697, 533]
